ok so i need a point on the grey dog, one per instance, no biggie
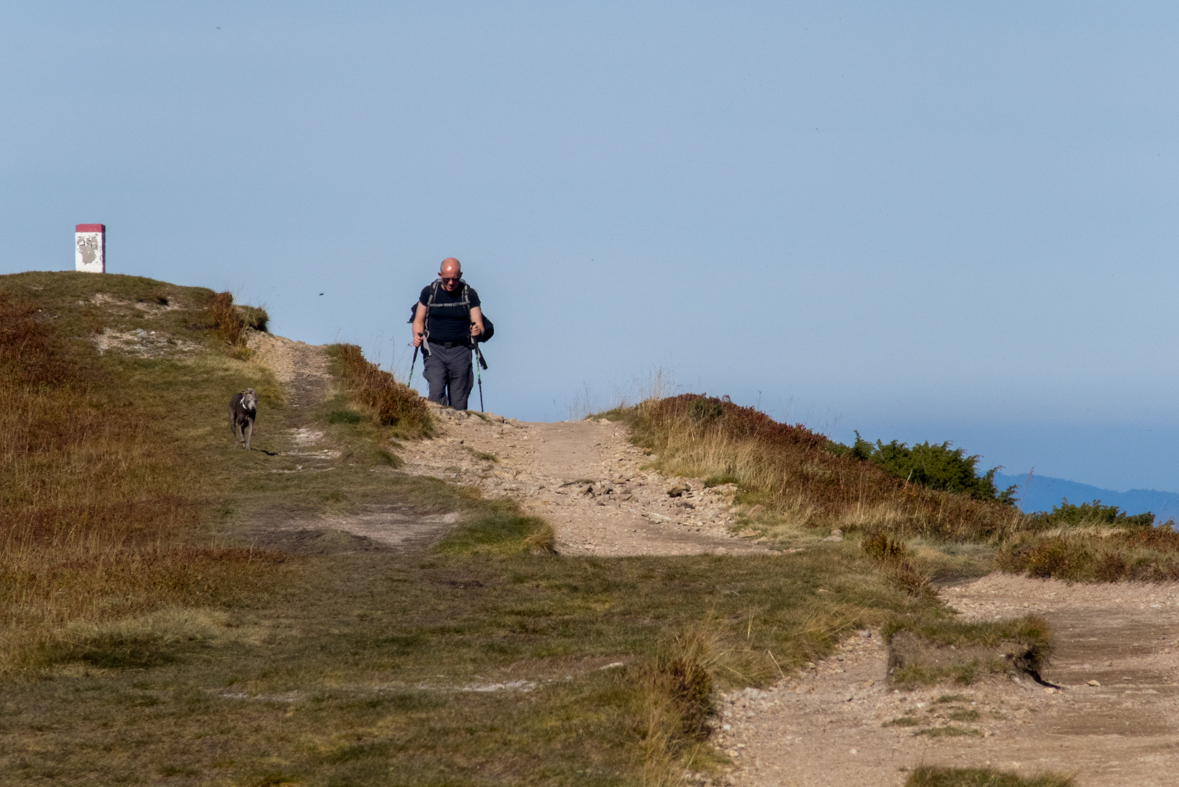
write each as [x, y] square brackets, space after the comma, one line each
[243, 409]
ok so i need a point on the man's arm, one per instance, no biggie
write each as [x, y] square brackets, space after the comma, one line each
[419, 324]
[476, 320]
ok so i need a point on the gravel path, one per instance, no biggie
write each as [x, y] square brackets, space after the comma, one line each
[586, 480]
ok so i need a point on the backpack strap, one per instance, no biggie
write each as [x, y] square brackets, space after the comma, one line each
[429, 303]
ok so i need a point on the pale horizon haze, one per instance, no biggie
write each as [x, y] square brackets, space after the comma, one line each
[918, 220]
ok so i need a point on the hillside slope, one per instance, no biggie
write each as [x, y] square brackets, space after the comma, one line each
[350, 603]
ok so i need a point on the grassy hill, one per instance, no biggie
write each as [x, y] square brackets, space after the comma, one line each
[176, 611]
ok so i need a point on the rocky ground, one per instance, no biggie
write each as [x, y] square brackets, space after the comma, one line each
[586, 479]
[1112, 721]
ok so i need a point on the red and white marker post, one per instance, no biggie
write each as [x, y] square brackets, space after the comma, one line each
[90, 240]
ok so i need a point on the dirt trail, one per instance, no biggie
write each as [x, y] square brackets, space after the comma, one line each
[586, 480]
[837, 723]
[300, 447]
[827, 726]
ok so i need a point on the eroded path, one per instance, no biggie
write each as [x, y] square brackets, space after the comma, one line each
[1113, 723]
[586, 480]
[300, 448]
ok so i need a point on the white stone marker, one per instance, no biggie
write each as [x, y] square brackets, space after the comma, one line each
[91, 242]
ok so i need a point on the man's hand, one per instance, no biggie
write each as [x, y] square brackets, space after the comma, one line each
[419, 325]
[476, 321]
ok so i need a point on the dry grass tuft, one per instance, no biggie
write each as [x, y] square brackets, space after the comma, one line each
[1095, 554]
[229, 322]
[939, 776]
[390, 402]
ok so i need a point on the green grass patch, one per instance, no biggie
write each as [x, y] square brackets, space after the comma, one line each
[903, 721]
[501, 529]
[948, 698]
[948, 731]
[928, 652]
[966, 714]
[483, 456]
[937, 776]
[363, 665]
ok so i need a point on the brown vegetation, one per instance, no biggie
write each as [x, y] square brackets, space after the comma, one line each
[229, 322]
[796, 470]
[807, 480]
[1095, 554]
[390, 402]
[97, 507]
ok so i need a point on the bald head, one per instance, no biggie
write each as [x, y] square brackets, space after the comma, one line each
[450, 271]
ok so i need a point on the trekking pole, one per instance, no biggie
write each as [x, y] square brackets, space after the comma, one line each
[478, 374]
[411, 363]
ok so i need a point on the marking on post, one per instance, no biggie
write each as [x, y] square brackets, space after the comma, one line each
[90, 248]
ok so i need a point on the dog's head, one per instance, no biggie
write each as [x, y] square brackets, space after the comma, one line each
[249, 399]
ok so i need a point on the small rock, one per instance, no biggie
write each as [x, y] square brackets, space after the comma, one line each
[1094, 683]
[678, 490]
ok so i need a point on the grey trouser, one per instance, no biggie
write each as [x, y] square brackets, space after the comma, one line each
[449, 373]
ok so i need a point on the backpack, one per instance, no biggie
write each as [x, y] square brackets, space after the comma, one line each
[488, 327]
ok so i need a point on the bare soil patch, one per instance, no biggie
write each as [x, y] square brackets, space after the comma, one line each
[586, 480]
[1112, 723]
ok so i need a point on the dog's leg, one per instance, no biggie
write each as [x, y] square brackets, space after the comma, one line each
[249, 432]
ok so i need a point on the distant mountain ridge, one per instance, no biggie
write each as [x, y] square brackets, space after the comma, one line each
[1045, 492]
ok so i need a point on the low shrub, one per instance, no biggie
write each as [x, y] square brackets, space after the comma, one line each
[229, 322]
[934, 466]
[1095, 554]
[899, 568]
[1086, 515]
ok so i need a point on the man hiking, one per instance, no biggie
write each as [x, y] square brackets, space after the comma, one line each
[445, 324]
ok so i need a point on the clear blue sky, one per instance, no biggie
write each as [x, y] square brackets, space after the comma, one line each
[924, 221]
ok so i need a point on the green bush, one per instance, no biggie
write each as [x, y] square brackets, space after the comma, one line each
[1089, 514]
[934, 466]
